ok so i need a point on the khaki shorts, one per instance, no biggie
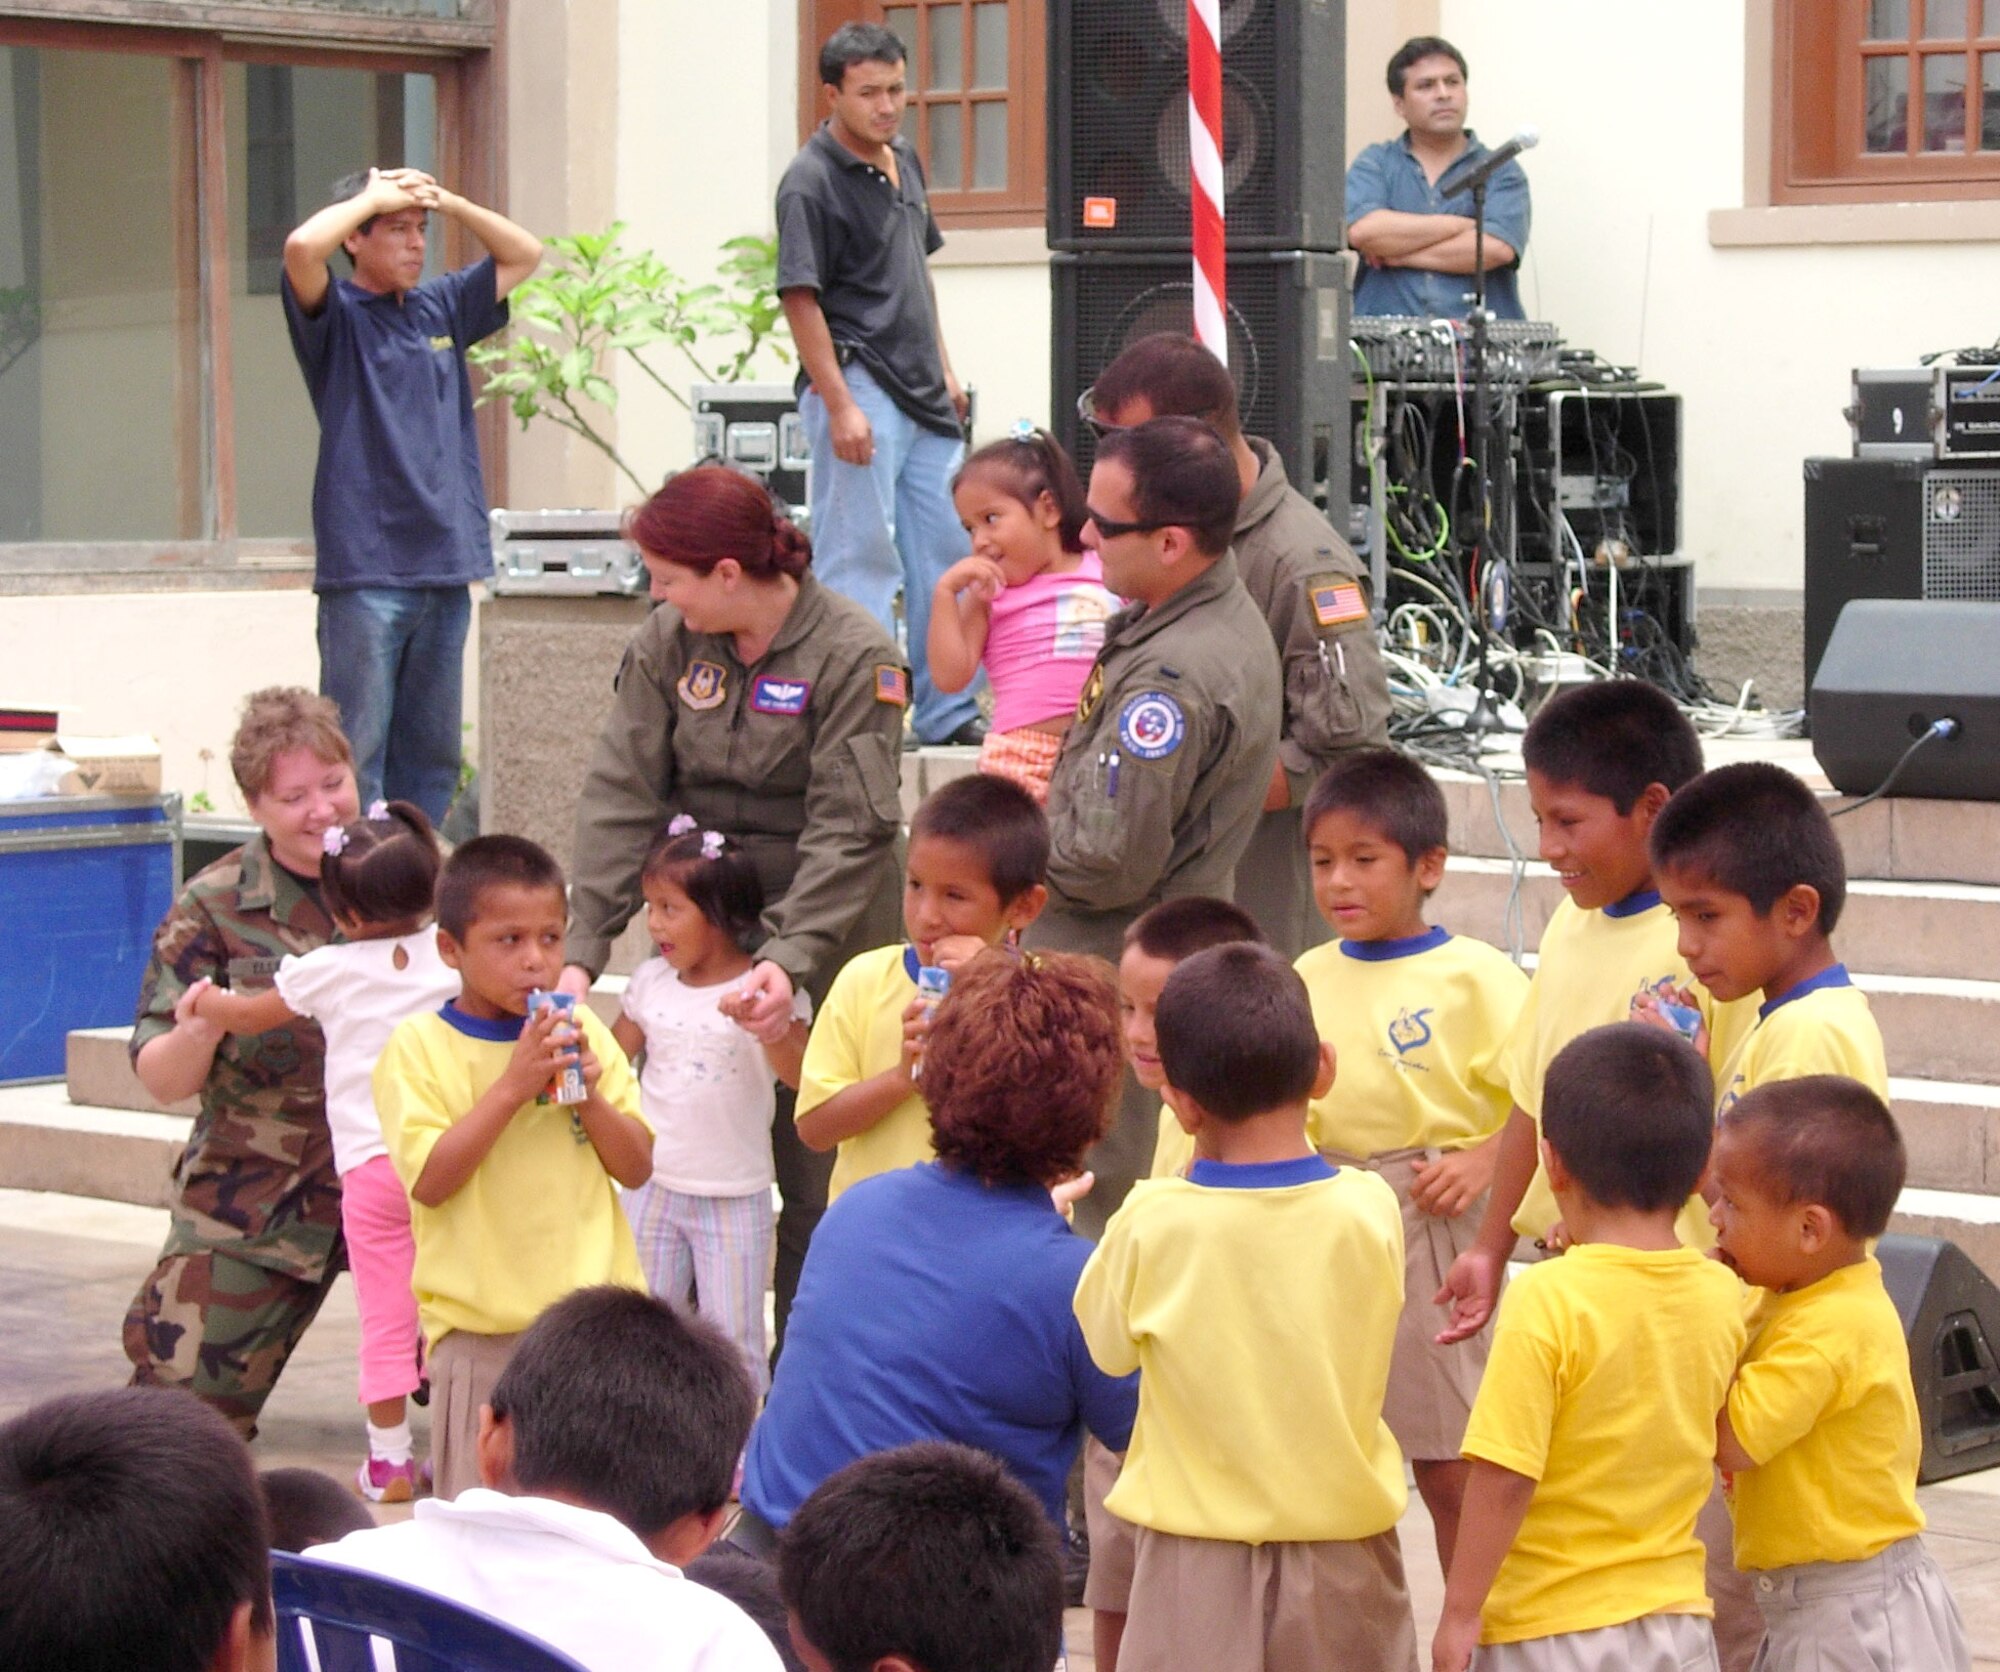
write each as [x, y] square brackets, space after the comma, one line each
[1890, 1613]
[1108, 1589]
[1224, 1607]
[464, 1368]
[1651, 1643]
[1431, 1388]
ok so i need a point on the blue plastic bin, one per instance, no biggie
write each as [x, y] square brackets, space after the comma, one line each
[84, 882]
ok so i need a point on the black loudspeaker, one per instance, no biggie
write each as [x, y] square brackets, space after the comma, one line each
[1951, 1315]
[1864, 539]
[1118, 124]
[1287, 346]
[1892, 667]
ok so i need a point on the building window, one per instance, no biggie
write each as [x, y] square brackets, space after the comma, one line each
[1885, 100]
[975, 69]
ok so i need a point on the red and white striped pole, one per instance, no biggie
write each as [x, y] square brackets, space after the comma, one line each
[1211, 270]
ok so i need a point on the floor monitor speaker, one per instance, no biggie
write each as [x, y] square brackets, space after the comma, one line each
[1951, 1315]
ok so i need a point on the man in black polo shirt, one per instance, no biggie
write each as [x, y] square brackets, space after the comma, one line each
[399, 510]
[881, 406]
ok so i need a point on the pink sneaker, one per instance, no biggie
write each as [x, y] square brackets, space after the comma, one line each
[383, 1482]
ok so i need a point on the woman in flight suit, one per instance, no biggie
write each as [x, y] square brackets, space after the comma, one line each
[768, 708]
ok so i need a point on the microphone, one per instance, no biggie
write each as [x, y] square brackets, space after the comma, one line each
[1462, 177]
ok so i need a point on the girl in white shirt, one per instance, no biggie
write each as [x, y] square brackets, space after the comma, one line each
[377, 877]
[703, 1222]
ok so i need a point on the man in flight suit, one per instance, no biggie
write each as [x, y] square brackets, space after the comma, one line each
[1160, 781]
[1312, 591]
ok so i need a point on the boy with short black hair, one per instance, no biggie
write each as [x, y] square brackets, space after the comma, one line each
[131, 1533]
[1602, 760]
[930, 1558]
[1418, 1020]
[1156, 942]
[1748, 861]
[512, 1202]
[1820, 1431]
[1589, 1440]
[1258, 1298]
[306, 1508]
[605, 1460]
[975, 877]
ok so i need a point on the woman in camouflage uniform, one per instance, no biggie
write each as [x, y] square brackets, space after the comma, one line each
[771, 709]
[254, 1241]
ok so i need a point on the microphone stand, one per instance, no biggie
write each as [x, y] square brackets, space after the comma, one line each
[1484, 715]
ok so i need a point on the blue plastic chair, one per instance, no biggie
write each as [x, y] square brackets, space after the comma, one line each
[428, 1633]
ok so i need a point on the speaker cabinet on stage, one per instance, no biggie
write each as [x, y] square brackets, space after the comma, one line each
[1894, 665]
[1864, 539]
[1118, 124]
[1287, 346]
[1951, 1315]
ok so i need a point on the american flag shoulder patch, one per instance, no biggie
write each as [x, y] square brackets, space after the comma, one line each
[892, 684]
[1336, 602]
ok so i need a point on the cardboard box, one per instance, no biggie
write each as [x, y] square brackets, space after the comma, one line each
[108, 765]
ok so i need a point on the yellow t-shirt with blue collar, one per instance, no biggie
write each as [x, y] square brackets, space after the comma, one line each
[857, 1035]
[1293, 1272]
[1821, 1026]
[1592, 965]
[540, 1216]
[1419, 1027]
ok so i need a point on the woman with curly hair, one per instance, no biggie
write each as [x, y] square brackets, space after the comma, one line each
[935, 1304]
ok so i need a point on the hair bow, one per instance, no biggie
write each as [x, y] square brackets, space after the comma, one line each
[711, 844]
[680, 824]
[333, 841]
[378, 809]
[1023, 430]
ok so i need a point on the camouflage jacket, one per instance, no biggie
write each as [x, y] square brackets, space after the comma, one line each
[256, 1178]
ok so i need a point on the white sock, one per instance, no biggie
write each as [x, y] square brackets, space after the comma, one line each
[392, 1445]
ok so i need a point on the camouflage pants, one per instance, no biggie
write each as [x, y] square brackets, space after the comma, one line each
[221, 1328]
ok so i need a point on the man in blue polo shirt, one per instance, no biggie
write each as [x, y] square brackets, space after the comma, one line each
[1417, 246]
[399, 509]
[881, 407]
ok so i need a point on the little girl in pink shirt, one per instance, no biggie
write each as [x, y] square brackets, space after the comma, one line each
[1029, 604]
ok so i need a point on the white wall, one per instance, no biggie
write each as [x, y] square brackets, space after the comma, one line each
[1641, 115]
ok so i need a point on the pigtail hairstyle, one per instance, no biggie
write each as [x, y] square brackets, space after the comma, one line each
[715, 872]
[382, 868]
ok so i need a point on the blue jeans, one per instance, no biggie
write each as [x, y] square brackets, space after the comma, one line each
[890, 525]
[393, 658]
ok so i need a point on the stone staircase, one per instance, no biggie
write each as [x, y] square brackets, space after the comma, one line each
[1926, 951]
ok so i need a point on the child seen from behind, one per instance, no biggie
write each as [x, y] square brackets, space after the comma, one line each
[703, 1221]
[377, 878]
[1589, 1440]
[512, 1195]
[1820, 1434]
[1258, 1299]
[979, 853]
[1029, 604]
[1419, 1020]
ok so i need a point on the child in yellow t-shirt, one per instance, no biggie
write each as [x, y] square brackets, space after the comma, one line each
[1820, 1433]
[1155, 944]
[512, 1204]
[1748, 861]
[979, 857]
[1258, 1298]
[1602, 761]
[1591, 1439]
[1418, 1020]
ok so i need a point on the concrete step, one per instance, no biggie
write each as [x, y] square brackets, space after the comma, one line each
[120, 1155]
[1888, 928]
[1951, 1131]
[1907, 840]
[1971, 1221]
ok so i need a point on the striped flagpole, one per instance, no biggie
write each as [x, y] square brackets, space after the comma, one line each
[1205, 176]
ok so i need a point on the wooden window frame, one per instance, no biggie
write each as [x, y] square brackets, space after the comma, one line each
[1817, 114]
[1021, 203]
[458, 53]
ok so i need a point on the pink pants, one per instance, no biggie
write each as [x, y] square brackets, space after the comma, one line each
[375, 1214]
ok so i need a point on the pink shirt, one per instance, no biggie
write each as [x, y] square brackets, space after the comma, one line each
[1041, 639]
